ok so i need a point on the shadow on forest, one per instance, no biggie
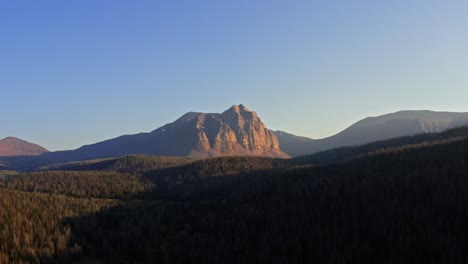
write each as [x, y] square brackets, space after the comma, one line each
[404, 206]
[159, 224]
[401, 205]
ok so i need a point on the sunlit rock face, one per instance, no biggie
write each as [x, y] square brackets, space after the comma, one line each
[237, 131]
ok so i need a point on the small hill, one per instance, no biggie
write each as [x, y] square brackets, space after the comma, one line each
[12, 146]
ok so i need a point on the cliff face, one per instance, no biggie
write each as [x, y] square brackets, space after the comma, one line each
[237, 131]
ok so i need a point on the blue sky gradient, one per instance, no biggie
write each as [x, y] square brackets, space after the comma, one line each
[77, 72]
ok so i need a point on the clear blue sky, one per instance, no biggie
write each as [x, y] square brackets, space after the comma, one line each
[77, 72]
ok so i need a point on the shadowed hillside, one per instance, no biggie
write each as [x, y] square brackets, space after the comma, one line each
[344, 153]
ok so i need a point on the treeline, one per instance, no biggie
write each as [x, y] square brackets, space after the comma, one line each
[4, 174]
[212, 176]
[101, 184]
[197, 178]
[142, 163]
[130, 163]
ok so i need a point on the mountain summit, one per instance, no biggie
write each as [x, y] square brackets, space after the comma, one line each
[237, 131]
[12, 146]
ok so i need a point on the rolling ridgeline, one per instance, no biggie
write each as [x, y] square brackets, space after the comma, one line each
[237, 131]
[402, 200]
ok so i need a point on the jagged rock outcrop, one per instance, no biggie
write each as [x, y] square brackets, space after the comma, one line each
[237, 131]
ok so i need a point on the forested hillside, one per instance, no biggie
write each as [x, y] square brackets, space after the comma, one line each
[346, 153]
[79, 184]
[401, 201]
[130, 163]
[33, 226]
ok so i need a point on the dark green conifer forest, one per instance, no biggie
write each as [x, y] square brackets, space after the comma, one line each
[398, 201]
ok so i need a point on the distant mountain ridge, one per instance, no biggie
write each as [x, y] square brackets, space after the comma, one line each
[12, 146]
[240, 132]
[393, 125]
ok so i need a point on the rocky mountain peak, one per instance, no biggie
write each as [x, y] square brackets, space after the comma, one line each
[239, 131]
[236, 131]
